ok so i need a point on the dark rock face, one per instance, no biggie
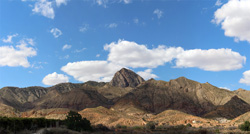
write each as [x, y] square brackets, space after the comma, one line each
[233, 108]
[126, 78]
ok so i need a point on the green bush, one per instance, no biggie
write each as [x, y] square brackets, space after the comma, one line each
[245, 126]
[150, 125]
[188, 125]
[74, 121]
[137, 127]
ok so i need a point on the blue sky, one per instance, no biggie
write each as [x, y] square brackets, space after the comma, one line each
[45, 42]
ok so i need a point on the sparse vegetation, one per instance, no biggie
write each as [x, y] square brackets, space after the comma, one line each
[245, 126]
[150, 125]
[188, 125]
[74, 121]
[18, 124]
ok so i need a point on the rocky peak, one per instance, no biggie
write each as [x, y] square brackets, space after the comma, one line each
[126, 78]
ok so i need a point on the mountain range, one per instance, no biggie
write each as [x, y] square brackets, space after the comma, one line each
[130, 100]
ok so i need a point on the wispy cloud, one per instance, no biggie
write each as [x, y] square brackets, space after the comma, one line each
[9, 38]
[79, 50]
[66, 46]
[158, 12]
[56, 32]
[84, 28]
[112, 25]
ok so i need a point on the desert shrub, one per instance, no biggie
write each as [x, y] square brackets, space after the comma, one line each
[245, 126]
[188, 125]
[137, 127]
[124, 127]
[118, 126]
[102, 127]
[74, 121]
[180, 127]
[217, 131]
[150, 125]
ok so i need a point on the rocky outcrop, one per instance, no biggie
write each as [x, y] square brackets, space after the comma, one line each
[126, 78]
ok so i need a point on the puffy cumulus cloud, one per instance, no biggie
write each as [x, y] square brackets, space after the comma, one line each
[60, 2]
[235, 19]
[158, 12]
[91, 70]
[147, 74]
[211, 60]
[54, 78]
[44, 8]
[56, 32]
[66, 46]
[246, 78]
[16, 56]
[131, 54]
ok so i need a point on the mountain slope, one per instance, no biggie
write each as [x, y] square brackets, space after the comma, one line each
[233, 108]
[179, 94]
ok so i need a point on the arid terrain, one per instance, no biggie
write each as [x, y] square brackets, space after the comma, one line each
[129, 100]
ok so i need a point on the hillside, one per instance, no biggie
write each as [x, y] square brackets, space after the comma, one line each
[127, 99]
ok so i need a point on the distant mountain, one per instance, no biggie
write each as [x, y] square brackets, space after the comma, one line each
[127, 94]
[180, 94]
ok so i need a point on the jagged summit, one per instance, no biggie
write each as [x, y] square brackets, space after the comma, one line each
[126, 78]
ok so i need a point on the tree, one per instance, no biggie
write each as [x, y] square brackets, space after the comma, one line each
[150, 125]
[74, 121]
[245, 126]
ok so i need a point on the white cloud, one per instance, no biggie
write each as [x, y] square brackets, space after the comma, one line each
[98, 55]
[158, 12]
[102, 2]
[30, 41]
[60, 2]
[127, 1]
[131, 54]
[16, 56]
[136, 20]
[84, 28]
[235, 19]
[211, 60]
[225, 88]
[66, 46]
[54, 78]
[246, 78]
[9, 38]
[66, 57]
[218, 3]
[147, 74]
[79, 50]
[44, 7]
[56, 32]
[112, 25]
[91, 70]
